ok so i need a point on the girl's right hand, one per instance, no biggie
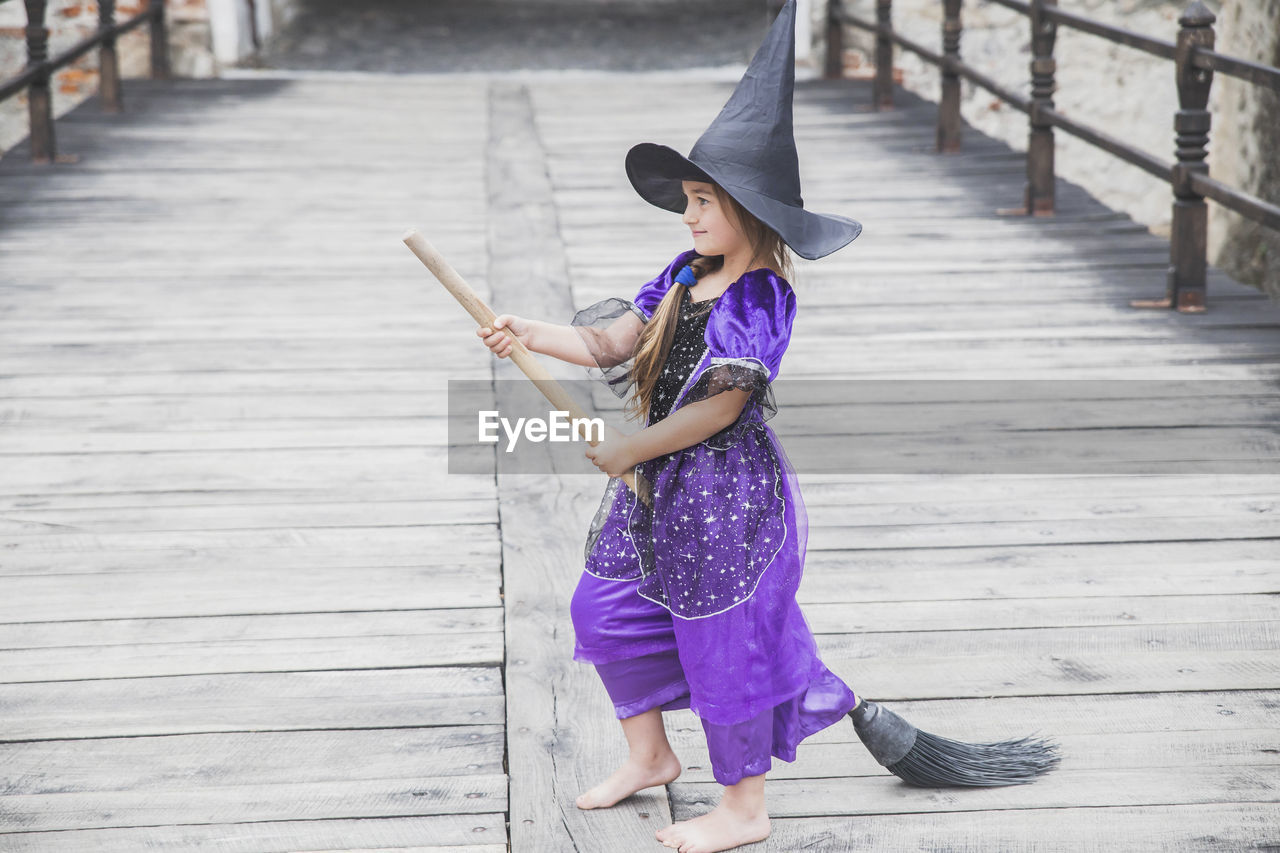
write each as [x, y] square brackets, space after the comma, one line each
[497, 338]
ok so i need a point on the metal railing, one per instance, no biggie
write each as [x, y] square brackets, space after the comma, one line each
[36, 76]
[1195, 62]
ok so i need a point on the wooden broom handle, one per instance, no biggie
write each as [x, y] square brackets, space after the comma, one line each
[483, 314]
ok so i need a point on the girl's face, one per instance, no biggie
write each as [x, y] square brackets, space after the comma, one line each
[714, 230]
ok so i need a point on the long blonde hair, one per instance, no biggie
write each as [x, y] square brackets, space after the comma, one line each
[654, 343]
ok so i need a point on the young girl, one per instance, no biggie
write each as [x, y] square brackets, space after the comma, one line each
[688, 598]
[690, 602]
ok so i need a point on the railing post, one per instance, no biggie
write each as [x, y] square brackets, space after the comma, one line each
[1038, 199]
[882, 87]
[834, 67]
[159, 41]
[39, 99]
[949, 105]
[1189, 234]
[108, 63]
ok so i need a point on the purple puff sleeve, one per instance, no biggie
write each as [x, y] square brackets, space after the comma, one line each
[747, 334]
[611, 327]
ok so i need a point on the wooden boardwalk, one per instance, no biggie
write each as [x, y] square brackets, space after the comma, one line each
[244, 607]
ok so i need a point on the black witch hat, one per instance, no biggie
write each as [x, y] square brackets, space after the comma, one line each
[750, 151]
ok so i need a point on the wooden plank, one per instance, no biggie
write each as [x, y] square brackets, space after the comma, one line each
[1153, 510]
[992, 719]
[882, 584]
[406, 648]
[254, 586]
[1065, 641]
[270, 384]
[1180, 753]
[206, 628]
[196, 470]
[457, 514]
[1049, 571]
[236, 554]
[251, 702]
[240, 804]
[854, 407]
[1248, 525]
[1103, 731]
[562, 735]
[251, 758]
[1012, 674]
[473, 833]
[469, 491]
[41, 437]
[827, 617]
[1212, 828]
[282, 354]
[897, 490]
[1061, 789]
[441, 545]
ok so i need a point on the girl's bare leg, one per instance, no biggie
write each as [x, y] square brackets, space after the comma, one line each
[651, 762]
[739, 819]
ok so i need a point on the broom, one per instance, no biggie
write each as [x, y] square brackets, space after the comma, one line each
[930, 761]
[538, 375]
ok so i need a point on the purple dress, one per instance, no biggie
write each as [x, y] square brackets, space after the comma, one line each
[690, 601]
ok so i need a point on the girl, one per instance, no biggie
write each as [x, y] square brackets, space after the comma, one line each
[688, 595]
[690, 602]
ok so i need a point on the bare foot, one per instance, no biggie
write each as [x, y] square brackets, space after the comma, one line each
[632, 776]
[719, 829]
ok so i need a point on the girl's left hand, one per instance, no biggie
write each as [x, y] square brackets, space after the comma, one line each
[614, 457]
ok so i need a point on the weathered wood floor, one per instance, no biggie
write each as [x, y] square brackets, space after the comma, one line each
[244, 607]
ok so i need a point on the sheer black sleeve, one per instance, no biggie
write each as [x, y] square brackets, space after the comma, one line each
[743, 374]
[610, 329]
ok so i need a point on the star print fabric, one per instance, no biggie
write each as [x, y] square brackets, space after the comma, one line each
[724, 510]
[717, 522]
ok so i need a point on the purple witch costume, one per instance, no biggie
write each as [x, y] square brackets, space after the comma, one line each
[690, 602]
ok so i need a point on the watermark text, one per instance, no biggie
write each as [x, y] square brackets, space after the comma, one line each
[560, 427]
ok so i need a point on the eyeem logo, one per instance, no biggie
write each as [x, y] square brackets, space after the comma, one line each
[559, 428]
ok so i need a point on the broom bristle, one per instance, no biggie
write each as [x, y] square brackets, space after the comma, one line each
[934, 762]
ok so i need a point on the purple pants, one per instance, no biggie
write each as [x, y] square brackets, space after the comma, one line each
[633, 644]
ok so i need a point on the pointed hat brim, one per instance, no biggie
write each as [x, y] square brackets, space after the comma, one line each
[656, 172]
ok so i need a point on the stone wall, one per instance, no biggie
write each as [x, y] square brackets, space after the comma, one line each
[1247, 126]
[1124, 92]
